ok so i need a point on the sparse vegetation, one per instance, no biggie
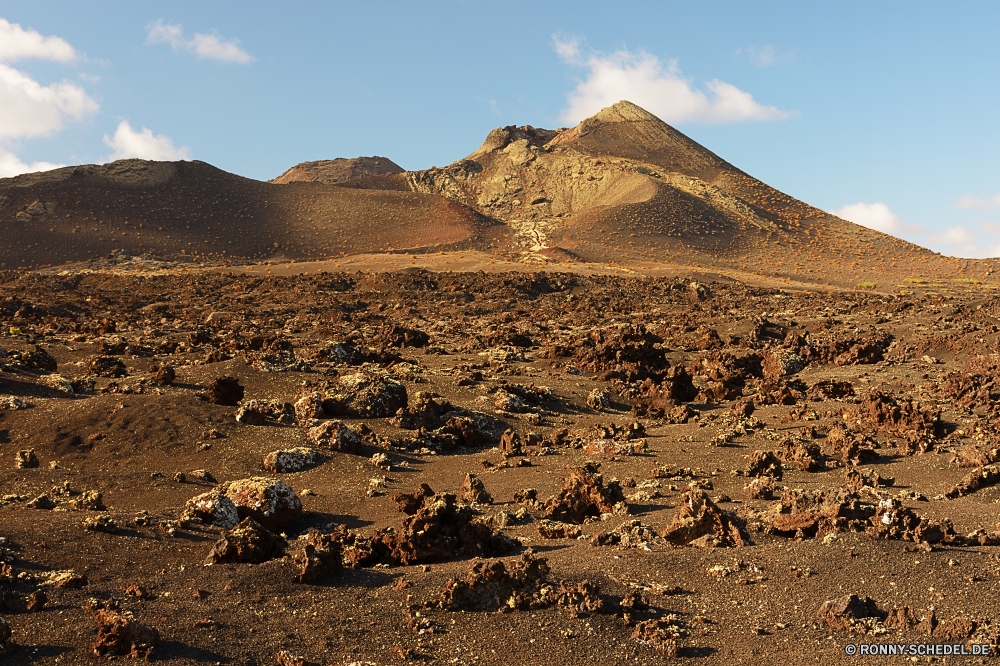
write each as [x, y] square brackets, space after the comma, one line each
[965, 280]
[867, 285]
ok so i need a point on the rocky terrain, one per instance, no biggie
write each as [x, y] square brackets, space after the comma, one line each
[587, 395]
[465, 468]
[340, 170]
[621, 188]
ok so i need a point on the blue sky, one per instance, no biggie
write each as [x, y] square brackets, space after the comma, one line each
[885, 113]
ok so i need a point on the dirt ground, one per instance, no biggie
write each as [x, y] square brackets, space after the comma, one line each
[710, 461]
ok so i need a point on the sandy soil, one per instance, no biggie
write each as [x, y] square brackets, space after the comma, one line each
[845, 390]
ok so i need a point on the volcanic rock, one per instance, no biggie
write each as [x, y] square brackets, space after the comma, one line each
[212, 508]
[291, 460]
[248, 542]
[319, 559]
[25, 459]
[119, 634]
[371, 393]
[699, 522]
[843, 613]
[267, 501]
[473, 490]
[335, 436]
[225, 391]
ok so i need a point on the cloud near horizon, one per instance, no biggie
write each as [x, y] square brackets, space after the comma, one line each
[211, 46]
[658, 87]
[29, 109]
[975, 202]
[127, 143]
[875, 216]
[980, 241]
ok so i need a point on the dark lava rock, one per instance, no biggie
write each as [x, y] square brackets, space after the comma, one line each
[473, 490]
[843, 613]
[319, 559]
[163, 374]
[119, 634]
[248, 542]
[699, 522]
[6, 644]
[585, 495]
[225, 391]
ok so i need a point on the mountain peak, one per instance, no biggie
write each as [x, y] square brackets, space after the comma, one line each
[629, 131]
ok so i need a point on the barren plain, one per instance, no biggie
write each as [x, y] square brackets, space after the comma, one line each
[586, 395]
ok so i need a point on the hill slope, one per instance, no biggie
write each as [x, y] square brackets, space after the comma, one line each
[339, 170]
[193, 209]
[624, 186]
[621, 187]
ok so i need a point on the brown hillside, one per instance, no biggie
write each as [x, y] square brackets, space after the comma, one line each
[340, 170]
[625, 187]
[193, 209]
[622, 187]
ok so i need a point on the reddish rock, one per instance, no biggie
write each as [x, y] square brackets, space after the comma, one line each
[410, 504]
[319, 559]
[106, 366]
[661, 634]
[764, 463]
[551, 529]
[978, 478]
[851, 448]
[599, 400]
[335, 436]
[510, 443]
[843, 613]
[248, 542]
[119, 634]
[585, 495]
[25, 459]
[309, 406]
[699, 522]
[473, 490]
[889, 414]
[163, 374]
[781, 362]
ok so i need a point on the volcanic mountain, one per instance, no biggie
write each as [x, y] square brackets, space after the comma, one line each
[339, 170]
[622, 187]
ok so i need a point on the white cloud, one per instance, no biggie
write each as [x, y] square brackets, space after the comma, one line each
[16, 43]
[27, 108]
[875, 216]
[977, 242]
[766, 56]
[11, 165]
[658, 87]
[145, 145]
[975, 202]
[211, 46]
[968, 242]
